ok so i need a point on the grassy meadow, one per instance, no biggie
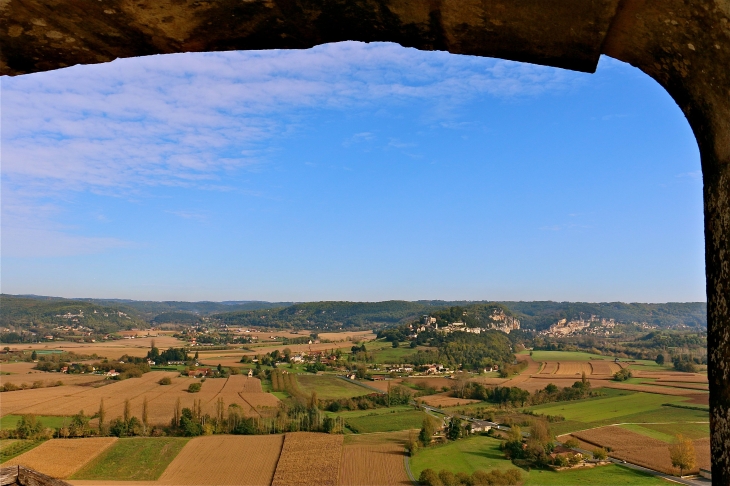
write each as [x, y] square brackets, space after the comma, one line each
[666, 432]
[624, 407]
[386, 422]
[329, 387]
[483, 453]
[134, 459]
[52, 421]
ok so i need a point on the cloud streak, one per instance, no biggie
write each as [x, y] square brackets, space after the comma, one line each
[193, 120]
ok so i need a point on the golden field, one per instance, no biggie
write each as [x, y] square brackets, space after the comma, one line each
[309, 458]
[225, 460]
[61, 458]
[161, 399]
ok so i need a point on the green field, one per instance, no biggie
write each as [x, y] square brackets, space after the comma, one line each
[607, 408]
[330, 387]
[639, 364]
[666, 432]
[136, 459]
[567, 356]
[386, 422]
[373, 411]
[623, 408]
[394, 355]
[52, 421]
[466, 455]
[482, 453]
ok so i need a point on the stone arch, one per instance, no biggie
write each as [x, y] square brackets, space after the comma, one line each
[683, 44]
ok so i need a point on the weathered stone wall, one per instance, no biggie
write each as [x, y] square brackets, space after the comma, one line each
[683, 44]
[48, 34]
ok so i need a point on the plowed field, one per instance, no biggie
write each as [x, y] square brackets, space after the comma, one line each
[62, 457]
[260, 400]
[604, 367]
[436, 382]
[225, 460]
[44, 398]
[550, 368]
[640, 449]
[309, 458]
[373, 464]
[574, 368]
[47, 379]
[443, 400]
[673, 376]
[661, 390]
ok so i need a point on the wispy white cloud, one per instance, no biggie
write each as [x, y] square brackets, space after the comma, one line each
[192, 215]
[358, 138]
[192, 120]
[695, 175]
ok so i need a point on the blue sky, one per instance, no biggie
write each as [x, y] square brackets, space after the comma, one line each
[348, 172]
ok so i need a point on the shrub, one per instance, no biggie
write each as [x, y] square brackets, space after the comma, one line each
[622, 375]
[429, 477]
[600, 454]
[28, 427]
[165, 381]
[571, 443]
[194, 388]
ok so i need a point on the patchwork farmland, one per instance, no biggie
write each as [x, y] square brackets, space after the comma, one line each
[640, 449]
[69, 400]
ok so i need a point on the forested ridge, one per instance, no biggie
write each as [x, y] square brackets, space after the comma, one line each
[28, 313]
[24, 311]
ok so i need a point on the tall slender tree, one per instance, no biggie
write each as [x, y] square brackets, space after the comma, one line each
[145, 417]
[176, 414]
[127, 410]
[102, 415]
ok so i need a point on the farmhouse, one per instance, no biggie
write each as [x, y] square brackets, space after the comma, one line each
[561, 451]
[480, 426]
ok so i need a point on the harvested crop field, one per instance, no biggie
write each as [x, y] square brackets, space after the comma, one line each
[248, 385]
[226, 460]
[41, 379]
[61, 458]
[661, 390]
[383, 385]
[489, 380]
[680, 384]
[20, 367]
[640, 449]
[574, 368]
[436, 382]
[671, 376]
[533, 367]
[373, 464]
[309, 458]
[347, 336]
[604, 367]
[699, 399]
[550, 368]
[443, 400]
[14, 402]
[538, 382]
[68, 400]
